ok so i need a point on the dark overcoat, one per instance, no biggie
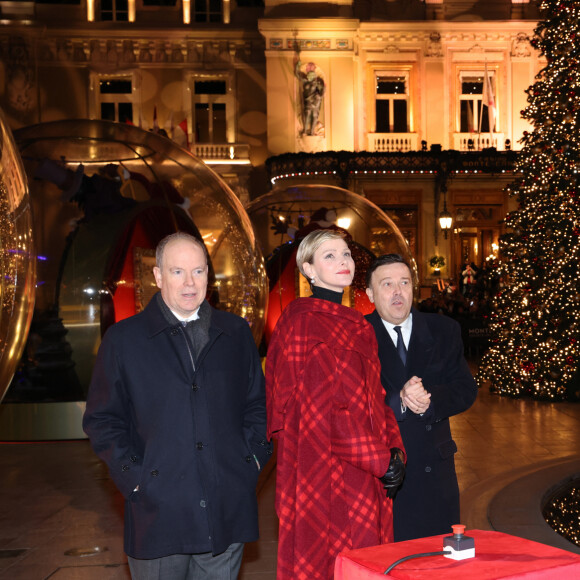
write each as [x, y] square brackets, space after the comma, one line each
[187, 438]
[427, 503]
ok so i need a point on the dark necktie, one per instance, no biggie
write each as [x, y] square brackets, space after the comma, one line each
[401, 345]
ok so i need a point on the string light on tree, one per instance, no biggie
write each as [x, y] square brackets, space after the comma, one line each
[536, 321]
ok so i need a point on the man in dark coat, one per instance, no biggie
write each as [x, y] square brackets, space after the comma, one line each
[426, 380]
[176, 409]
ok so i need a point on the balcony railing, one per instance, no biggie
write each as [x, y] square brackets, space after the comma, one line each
[391, 142]
[478, 141]
[222, 152]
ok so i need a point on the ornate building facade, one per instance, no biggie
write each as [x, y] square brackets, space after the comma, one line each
[413, 104]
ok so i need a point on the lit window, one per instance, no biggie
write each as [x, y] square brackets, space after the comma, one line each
[115, 10]
[207, 10]
[211, 106]
[391, 102]
[116, 98]
[473, 109]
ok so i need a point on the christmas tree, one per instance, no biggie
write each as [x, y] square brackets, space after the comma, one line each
[536, 320]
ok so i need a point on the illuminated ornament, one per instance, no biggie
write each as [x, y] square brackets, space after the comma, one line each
[313, 207]
[107, 193]
[17, 259]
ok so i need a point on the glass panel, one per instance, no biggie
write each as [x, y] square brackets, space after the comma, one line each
[108, 112]
[121, 10]
[57, 1]
[200, 10]
[400, 113]
[219, 123]
[210, 87]
[115, 87]
[202, 123]
[17, 258]
[100, 271]
[472, 86]
[466, 124]
[159, 2]
[107, 10]
[382, 117]
[391, 86]
[125, 112]
[215, 10]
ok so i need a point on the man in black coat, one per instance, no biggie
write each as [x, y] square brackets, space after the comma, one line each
[426, 380]
[176, 409]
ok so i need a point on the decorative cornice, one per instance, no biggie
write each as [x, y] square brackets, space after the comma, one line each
[305, 44]
[119, 51]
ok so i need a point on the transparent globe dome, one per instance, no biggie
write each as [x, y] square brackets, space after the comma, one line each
[104, 194]
[17, 257]
[284, 216]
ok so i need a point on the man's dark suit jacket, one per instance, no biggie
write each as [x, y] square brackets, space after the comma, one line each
[427, 503]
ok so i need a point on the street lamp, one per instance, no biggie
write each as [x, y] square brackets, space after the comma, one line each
[445, 219]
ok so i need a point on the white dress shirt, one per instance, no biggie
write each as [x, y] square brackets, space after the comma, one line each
[406, 328]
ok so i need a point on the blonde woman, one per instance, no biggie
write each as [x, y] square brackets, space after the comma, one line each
[339, 446]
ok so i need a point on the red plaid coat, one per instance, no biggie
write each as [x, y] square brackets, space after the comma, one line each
[326, 408]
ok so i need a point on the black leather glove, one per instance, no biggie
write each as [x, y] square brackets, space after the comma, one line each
[395, 473]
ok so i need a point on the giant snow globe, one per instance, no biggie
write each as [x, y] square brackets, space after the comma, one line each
[16, 257]
[283, 217]
[104, 194]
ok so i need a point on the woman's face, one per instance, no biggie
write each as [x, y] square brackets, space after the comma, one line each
[332, 267]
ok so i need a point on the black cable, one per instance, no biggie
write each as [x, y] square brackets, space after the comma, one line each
[412, 556]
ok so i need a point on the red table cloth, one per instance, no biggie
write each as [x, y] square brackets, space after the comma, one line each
[497, 555]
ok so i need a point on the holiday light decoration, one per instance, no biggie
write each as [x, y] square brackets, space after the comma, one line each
[536, 316]
[562, 512]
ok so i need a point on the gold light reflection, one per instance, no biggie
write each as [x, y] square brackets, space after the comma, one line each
[91, 10]
[17, 261]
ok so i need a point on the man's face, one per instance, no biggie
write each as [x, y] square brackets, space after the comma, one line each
[391, 291]
[182, 278]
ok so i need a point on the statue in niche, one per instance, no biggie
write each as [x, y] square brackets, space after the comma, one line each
[311, 90]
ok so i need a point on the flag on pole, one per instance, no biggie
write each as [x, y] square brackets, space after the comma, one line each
[181, 134]
[489, 100]
[155, 123]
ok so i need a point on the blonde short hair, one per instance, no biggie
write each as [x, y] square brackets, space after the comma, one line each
[311, 243]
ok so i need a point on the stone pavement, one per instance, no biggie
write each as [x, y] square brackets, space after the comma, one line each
[61, 516]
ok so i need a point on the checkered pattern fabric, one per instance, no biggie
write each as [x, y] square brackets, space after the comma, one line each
[326, 408]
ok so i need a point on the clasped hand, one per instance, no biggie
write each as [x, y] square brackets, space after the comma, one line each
[414, 396]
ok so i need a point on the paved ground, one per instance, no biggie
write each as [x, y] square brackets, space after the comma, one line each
[61, 517]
